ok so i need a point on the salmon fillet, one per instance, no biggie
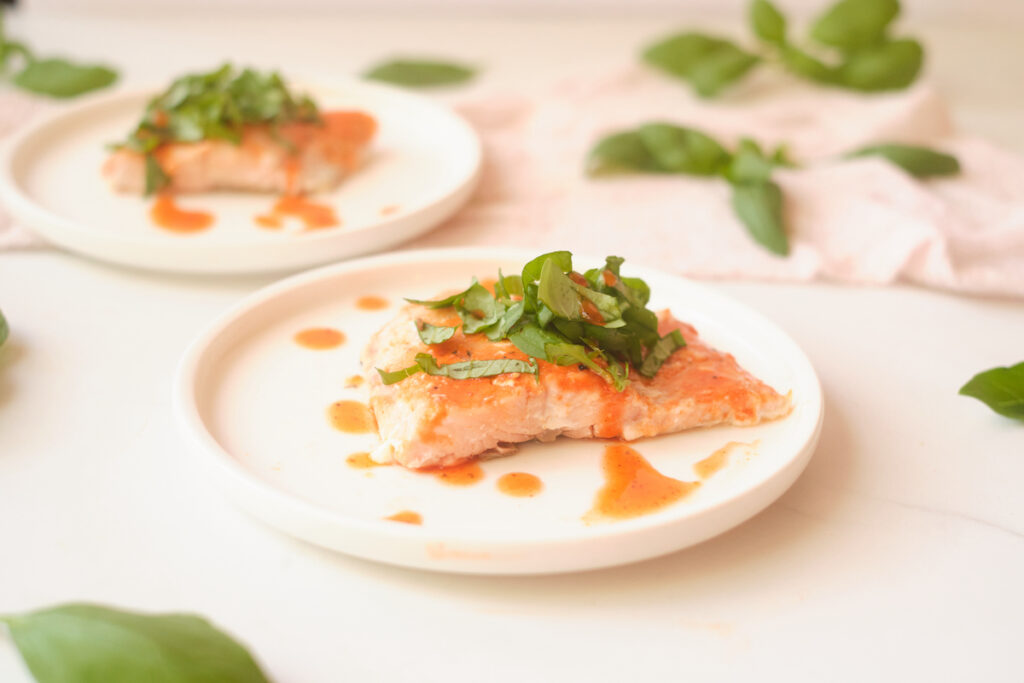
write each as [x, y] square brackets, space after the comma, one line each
[298, 158]
[434, 421]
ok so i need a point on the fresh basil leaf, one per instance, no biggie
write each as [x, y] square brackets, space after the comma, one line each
[442, 303]
[479, 309]
[1001, 389]
[749, 164]
[606, 304]
[434, 334]
[419, 73]
[919, 162]
[5, 331]
[473, 369]
[621, 153]
[508, 286]
[800, 63]
[640, 293]
[759, 207]
[708, 62]
[614, 264]
[532, 339]
[660, 352]
[156, 178]
[683, 150]
[556, 291]
[61, 78]
[853, 24]
[397, 375]
[569, 354]
[888, 66]
[721, 69]
[505, 323]
[532, 270]
[768, 22]
[80, 642]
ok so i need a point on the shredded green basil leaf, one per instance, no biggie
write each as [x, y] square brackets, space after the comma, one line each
[473, 369]
[541, 313]
[434, 334]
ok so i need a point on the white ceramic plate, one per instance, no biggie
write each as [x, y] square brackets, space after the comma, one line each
[253, 403]
[424, 161]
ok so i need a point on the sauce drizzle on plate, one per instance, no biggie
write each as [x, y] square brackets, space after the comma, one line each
[633, 487]
[459, 475]
[352, 417]
[319, 338]
[168, 215]
[406, 517]
[520, 484]
[362, 461]
[372, 303]
[314, 216]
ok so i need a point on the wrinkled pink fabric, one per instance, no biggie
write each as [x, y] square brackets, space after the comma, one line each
[862, 221]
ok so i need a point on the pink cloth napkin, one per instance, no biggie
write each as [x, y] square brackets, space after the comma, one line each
[862, 221]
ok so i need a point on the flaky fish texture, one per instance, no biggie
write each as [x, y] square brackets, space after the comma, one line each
[431, 421]
[296, 158]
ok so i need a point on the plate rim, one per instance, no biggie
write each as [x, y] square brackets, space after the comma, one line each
[82, 239]
[191, 423]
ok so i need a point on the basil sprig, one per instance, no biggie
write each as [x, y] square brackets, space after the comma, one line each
[597, 320]
[216, 105]
[81, 642]
[1001, 389]
[420, 73]
[757, 200]
[4, 329]
[50, 76]
[852, 37]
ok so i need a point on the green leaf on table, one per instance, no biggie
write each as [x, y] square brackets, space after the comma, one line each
[683, 150]
[887, 66]
[80, 642]
[434, 334]
[707, 62]
[61, 78]
[919, 162]
[853, 24]
[798, 62]
[768, 22]
[759, 207]
[749, 163]
[5, 331]
[418, 73]
[1001, 389]
[621, 153]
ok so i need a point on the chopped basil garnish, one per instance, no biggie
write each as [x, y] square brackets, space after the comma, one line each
[434, 334]
[214, 106]
[599, 321]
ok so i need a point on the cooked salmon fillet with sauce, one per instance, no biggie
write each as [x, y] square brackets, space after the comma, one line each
[436, 421]
[297, 158]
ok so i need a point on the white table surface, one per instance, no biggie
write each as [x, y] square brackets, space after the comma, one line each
[898, 555]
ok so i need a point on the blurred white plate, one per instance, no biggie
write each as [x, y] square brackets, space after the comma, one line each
[424, 162]
[253, 403]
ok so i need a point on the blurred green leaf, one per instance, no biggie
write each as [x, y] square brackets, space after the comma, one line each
[683, 150]
[853, 24]
[1001, 389]
[758, 205]
[919, 162]
[61, 78]
[768, 22]
[420, 73]
[707, 62]
[888, 66]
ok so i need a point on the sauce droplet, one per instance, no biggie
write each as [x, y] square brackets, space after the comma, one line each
[372, 303]
[633, 487]
[319, 338]
[314, 216]
[354, 381]
[717, 460]
[362, 461]
[519, 484]
[352, 417]
[460, 475]
[406, 517]
[170, 216]
[388, 210]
